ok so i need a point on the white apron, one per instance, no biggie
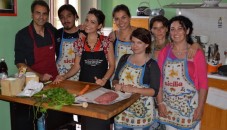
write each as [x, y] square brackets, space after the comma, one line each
[141, 113]
[67, 57]
[179, 94]
[122, 48]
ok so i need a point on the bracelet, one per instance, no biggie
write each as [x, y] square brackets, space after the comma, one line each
[160, 103]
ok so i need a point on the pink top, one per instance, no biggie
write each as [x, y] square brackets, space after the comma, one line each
[197, 68]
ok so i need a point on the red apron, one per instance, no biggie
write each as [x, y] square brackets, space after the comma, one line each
[44, 57]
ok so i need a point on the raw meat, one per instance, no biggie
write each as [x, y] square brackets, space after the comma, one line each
[106, 98]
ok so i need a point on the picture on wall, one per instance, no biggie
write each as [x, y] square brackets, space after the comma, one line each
[8, 8]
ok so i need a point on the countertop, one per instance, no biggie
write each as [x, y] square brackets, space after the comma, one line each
[217, 76]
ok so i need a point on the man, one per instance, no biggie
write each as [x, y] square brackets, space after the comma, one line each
[65, 38]
[35, 49]
[35, 44]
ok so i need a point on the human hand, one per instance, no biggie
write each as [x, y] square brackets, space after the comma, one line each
[128, 88]
[198, 113]
[162, 110]
[100, 82]
[192, 50]
[59, 79]
[45, 77]
[118, 87]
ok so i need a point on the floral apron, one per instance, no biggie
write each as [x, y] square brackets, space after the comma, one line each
[67, 57]
[179, 94]
[121, 48]
[141, 113]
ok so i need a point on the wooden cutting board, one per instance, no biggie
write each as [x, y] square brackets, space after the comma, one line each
[74, 87]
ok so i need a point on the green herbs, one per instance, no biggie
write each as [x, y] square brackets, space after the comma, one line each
[54, 97]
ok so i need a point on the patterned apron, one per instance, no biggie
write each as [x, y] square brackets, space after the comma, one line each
[67, 57]
[121, 48]
[141, 113]
[179, 94]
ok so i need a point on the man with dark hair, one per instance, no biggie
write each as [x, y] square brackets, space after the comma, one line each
[35, 44]
[35, 49]
[65, 38]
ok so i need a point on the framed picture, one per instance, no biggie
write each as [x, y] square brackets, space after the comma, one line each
[8, 7]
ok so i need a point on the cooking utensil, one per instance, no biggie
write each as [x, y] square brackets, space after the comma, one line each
[83, 104]
[143, 9]
[222, 70]
[157, 11]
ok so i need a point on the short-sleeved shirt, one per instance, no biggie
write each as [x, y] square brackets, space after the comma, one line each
[79, 45]
[24, 44]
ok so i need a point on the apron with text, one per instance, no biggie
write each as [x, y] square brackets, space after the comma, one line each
[93, 63]
[44, 57]
[179, 94]
[67, 57]
[141, 113]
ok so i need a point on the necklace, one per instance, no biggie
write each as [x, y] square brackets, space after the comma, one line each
[179, 53]
[92, 48]
[138, 62]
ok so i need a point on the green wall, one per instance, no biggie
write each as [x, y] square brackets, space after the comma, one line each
[9, 25]
[133, 4]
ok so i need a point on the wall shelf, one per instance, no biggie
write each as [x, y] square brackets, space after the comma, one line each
[193, 6]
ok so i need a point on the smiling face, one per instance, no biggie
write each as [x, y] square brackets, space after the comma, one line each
[40, 15]
[121, 19]
[159, 30]
[67, 19]
[138, 46]
[91, 24]
[178, 33]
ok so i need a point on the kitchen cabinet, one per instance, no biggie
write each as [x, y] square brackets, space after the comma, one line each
[138, 21]
[215, 118]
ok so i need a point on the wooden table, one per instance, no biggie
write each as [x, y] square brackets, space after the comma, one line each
[93, 110]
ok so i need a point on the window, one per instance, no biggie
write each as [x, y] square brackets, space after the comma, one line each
[55, 5]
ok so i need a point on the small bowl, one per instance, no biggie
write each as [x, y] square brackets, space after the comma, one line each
[211, 3]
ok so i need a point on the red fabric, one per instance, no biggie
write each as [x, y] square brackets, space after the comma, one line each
[44, 57]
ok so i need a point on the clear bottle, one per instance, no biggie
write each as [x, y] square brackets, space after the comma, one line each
[3, 69]
[220, 22]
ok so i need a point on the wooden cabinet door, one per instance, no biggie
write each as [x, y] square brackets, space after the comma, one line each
[214, 118]
[137, 22]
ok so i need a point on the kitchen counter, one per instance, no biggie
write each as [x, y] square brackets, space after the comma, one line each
[93, 110]
[215, 118]
[217, 76]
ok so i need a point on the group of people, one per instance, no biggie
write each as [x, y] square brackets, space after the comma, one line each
[162, 64]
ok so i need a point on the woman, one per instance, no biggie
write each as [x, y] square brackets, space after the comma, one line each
[184, 81]
[121, 37]
[138, 73]
[159, 29]
[94, 59]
